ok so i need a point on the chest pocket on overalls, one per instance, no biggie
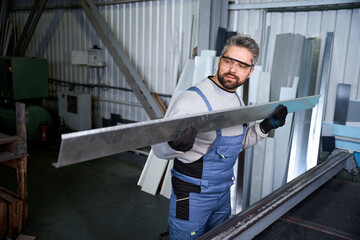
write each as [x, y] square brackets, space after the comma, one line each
[227, 151]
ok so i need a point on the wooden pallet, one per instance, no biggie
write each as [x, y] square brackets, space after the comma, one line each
[3, 218]
[13, 213]
[13, 153]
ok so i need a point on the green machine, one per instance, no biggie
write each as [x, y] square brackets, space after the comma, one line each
[24, 80]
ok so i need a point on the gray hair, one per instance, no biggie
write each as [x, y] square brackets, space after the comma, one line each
[246, 42]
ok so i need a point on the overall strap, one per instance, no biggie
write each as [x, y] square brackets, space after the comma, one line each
[198, 91]
[244, 125]
[238, 98]
[195, 89]
[192, 180]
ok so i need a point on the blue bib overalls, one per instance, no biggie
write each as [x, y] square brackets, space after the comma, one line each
[200, 202]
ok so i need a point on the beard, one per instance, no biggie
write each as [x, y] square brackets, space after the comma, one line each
[230, 85]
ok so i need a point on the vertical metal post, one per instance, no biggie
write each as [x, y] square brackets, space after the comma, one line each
[213, 14]
[224, 13]
[318, 110]
[204, 25]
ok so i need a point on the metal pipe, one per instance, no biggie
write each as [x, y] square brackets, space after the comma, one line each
[262, 214]
[294, 5]
[74, 6]
[117, 101]
[104, 86]
[312, 9]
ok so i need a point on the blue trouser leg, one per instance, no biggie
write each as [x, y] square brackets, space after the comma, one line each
[206, 211]
[181, 229]
[221, 213]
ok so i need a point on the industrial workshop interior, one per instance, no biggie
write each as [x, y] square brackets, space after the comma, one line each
[87, 88]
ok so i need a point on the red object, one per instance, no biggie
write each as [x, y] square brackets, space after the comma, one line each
[43, 132]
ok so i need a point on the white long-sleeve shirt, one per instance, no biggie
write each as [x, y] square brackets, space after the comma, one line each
[190, 102]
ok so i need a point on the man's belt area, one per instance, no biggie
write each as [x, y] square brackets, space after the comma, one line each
[192, 173]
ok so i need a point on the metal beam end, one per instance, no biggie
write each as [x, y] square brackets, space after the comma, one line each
[55, 164]
[351, 166]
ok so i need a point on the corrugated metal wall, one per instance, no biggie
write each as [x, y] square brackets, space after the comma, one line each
[157, 36]
[345, 59]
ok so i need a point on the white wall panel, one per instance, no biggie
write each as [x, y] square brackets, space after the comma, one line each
[300, 23]
[313, 23]
[288, 22]
[155, 35]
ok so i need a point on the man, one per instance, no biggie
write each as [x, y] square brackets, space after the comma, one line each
[203, 162]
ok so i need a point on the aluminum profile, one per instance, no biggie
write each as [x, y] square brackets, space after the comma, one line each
[86, 145]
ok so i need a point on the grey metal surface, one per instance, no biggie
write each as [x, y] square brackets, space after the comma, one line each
[287, 4]
[240, 183]
[204, 25]
[301, 120]
[127, 69]
[248, 163]
[353, 114]
[81, 146]
[264, 61]
[286, 62]
[342, 103]
[251, 222]
[318, 112]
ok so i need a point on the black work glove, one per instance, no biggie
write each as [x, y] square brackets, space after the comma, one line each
[184, 140]
[276, 120]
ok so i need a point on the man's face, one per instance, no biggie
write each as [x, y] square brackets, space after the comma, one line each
[231, 73]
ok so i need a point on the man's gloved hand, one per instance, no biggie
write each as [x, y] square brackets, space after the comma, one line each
[184, 140]
[276, 120]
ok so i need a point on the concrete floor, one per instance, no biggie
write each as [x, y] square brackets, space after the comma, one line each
[98, 199]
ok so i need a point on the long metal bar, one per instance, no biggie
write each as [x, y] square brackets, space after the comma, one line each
[255, 219]
[127, 69]
[288, 4]
[60, 5]
[301, 120]
[104, 86]
[204, 25]
[81, 146]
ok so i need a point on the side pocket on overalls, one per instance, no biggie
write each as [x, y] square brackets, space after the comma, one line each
[182, 191]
